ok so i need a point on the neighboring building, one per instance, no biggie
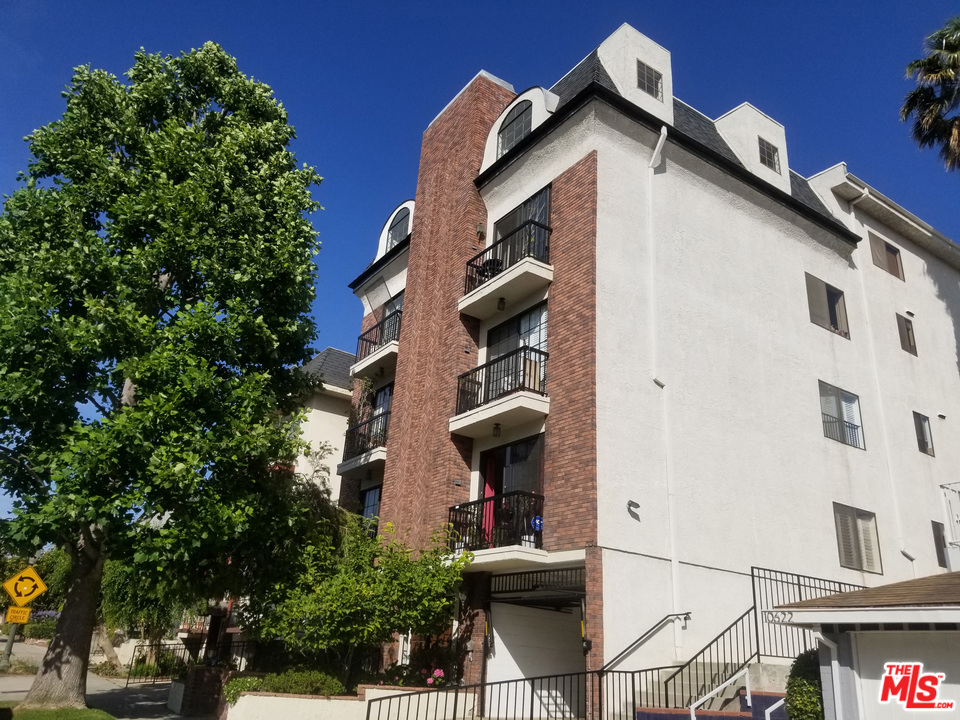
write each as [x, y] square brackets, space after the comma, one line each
[328, 411]
[641, 358]
[913, 626]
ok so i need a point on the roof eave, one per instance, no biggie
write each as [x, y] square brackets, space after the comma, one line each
[597, 91]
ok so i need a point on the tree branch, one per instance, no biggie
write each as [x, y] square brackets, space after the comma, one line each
[89, 543]
[22, 461]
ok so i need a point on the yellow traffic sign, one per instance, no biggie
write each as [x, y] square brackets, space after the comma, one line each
[24, 587]
[18, 615]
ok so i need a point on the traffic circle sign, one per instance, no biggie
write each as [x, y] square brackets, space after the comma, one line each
[24, 587]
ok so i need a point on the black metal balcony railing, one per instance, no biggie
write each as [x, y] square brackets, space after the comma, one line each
[523, 369]
[385, 331]
[532, 239]
[366, 436]
[842, 431]
[514, 518]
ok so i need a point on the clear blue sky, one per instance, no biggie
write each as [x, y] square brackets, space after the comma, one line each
[361, 82]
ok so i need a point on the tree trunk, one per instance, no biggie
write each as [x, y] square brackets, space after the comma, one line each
[62, 678]
[106, 644]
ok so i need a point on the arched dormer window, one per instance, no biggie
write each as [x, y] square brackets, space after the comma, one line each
[515, 127]
[399, 228]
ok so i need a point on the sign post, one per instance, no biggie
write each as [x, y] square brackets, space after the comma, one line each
[22, 588]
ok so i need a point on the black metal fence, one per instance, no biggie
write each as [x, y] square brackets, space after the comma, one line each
[522, 369]
[366, 436]
[775, 587]
[152, 663]
[514, 518]
[842, 431]
[532, 239]
[607, 695]
[721, 659]
[385, 331]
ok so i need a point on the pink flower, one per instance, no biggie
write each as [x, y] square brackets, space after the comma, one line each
[423, 672]
[429, 681]
[438, 673]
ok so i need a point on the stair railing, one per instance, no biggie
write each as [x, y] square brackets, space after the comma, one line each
[646, 635]
[718, 661]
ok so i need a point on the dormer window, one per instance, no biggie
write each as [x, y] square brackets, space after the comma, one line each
[399, 228]
[649, 80]
[515, 127]
[769, 155]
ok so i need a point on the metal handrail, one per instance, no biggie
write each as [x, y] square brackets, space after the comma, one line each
[745, 672]
[532, 239]
[645, 636]
[513, 518]
[522, 369]
[736, 640]
[366, 436]
[385, 331]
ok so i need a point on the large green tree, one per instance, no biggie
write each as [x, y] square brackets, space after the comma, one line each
[932, 108]
[363, 590]
[156, 279]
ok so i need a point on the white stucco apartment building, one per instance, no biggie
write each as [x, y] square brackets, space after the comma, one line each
[640, 361]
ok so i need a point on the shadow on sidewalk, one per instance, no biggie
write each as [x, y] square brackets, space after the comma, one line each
[135, 702]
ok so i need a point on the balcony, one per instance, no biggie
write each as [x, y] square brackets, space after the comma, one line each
[506, 392]
[509, 270]
[842, 431]
[377, 348]
[365, 445]
[510, 519]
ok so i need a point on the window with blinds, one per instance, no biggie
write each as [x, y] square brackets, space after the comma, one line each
[907, 340]
[840, 413]
[827, 306]
[924, 438]
[857, 539]
[886, 256]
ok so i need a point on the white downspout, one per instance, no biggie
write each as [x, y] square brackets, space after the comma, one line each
[834, 672]
[653, 319]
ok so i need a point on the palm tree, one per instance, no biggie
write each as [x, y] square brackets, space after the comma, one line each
[937, 94]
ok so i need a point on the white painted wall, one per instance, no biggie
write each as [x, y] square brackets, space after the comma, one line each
[530, 642]
[741, 128]
[936, 650]
[700, 286]
[326, 421]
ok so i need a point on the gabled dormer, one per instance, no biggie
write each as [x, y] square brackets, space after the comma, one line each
[641, 71]
[760, 143]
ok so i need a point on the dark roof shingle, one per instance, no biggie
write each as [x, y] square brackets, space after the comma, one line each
[332, 366]
[938, 590]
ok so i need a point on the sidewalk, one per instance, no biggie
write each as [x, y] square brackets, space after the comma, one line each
[140, 701]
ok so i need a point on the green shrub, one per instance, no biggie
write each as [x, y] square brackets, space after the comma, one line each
[108, 669]
[303, 682]
[233, 688]
[42, 630]
[804, 699]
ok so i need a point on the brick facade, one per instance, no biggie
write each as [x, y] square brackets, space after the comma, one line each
[425, 462]
[570, 445]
